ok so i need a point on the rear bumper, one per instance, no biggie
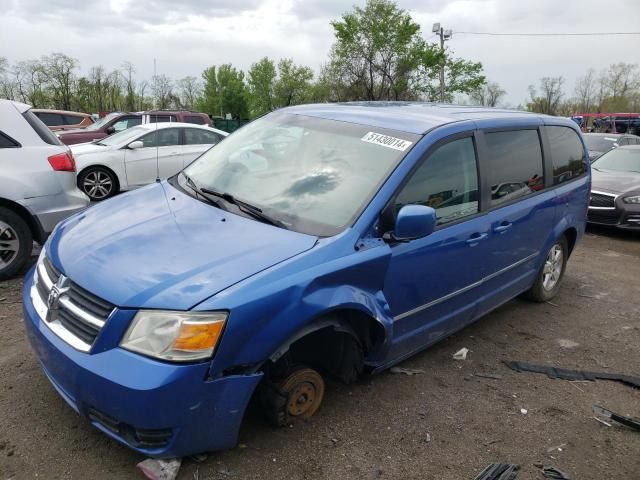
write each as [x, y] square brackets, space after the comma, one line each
[52, 209]
[158, 409]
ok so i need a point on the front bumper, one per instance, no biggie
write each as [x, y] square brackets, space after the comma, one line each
[615, 217]
[156, 408]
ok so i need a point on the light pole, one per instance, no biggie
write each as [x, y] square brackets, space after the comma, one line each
[444, 35]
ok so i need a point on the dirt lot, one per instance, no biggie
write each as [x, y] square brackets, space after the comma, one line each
[444, 424]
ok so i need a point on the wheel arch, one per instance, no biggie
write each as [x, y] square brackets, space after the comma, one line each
[38, 233]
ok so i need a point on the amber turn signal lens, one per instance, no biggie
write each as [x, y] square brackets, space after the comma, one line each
[195, 336]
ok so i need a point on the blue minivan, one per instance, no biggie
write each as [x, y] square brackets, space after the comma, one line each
[317, 241]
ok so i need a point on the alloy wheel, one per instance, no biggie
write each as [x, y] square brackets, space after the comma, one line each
[9, 244]
[552, 267]
[97, 184]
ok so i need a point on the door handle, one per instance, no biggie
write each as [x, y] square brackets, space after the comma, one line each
[173, 153]
[476, 237]
[503, 227]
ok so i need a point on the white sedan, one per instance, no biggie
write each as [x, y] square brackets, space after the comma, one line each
[139, 155]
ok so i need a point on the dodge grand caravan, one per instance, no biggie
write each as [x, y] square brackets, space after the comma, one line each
[319, 240]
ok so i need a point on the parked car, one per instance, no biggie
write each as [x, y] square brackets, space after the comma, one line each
[138, 155]
[615, 189]
[37, 185]
[600, 143]
[58, 120]
[118, 121]
[263, 268]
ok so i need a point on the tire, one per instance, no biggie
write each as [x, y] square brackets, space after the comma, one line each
[295, 397]
[98, 183]
[16, 243]
[550, 276]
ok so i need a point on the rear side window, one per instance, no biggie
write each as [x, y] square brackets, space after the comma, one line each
[197, 119]
[72, 119]
[162, 118]
[50, 119]
[514, 165]
[162, 138]
[41, 129]
[7, 142]
[567, 154]
[446, 181]
[195, 136]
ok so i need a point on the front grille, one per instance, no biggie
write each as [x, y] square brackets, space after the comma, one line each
[72, 313]
[602, 200]
[603, 218]
[138, 437]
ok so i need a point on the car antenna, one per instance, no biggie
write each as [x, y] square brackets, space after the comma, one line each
[157, 148]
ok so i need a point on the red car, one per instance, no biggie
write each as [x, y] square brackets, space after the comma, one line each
[118, 121]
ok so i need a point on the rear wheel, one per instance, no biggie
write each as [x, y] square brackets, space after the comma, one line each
[98, 183]
[295, 397]
[551, 273]
[16, 243]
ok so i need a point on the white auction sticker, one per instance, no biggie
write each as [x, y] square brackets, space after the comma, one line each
[387, 141]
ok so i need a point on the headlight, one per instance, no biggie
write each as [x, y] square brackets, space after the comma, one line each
[174, 336]
[635, 199]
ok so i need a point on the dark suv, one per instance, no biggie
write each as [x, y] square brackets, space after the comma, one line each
[118, 121]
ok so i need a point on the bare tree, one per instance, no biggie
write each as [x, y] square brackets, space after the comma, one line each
[550, 96]
[61, 78]
[622, 78]
[488, 95]
[162, 88]
[586, 91]
[7, 84]
[189, 91]
[99, 84]
[142, 88]
[128, 71]
[30, 78]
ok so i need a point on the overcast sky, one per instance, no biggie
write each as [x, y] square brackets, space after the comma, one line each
[185, 36]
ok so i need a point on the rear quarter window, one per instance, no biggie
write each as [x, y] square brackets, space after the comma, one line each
[7, 142]
[41, 129]
[567, 154]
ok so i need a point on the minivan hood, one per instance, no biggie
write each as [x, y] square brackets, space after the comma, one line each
[614, 182]
[158, 247]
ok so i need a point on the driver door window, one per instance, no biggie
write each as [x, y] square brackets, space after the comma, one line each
[446, 181]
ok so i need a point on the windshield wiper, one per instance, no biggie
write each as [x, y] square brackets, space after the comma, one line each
[98, 142]
[247, 208]
[198, 191]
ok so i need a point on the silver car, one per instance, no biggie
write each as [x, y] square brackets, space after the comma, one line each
[37, 185]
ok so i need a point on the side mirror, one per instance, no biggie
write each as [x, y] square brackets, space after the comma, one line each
[414, 221]
[110, 130]
[136, 144]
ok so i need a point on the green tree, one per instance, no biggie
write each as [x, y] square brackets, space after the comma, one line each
[224, 92]
[210, 100]
[294, 83]
[377, 49]
[261, 79]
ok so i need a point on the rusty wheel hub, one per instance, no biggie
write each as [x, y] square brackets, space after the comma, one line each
[304, 389]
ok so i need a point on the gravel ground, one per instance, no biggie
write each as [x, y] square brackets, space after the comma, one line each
[444, 424]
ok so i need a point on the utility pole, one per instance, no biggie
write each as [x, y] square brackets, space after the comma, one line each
[444, 36]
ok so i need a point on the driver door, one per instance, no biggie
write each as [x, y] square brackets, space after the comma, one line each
[159, 156]
[432, 282]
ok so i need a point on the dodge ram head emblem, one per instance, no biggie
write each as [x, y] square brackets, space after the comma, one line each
[53, 300]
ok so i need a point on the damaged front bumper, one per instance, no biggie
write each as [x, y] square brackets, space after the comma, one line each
[158, 409]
